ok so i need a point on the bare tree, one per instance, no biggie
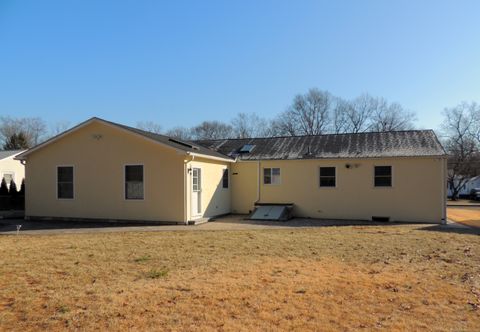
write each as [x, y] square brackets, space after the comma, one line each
[34, 129]
[150, 126]
[309, 114]
[339, 117]
[358, 113]
[390, 117]
[460, 127]
[59, 127]
[212, 130]
[249, 125]
[179, 133]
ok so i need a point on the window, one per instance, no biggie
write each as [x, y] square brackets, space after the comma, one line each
[65, 182]
[8, 177]
[271, 175]
[197, 179]
[327, 177]
[134, 182]
[383, 176]
[225, 178]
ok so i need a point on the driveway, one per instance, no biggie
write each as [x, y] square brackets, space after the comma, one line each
[466, 215]
[231, 222]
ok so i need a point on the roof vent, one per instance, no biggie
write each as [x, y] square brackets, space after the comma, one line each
[247, 148]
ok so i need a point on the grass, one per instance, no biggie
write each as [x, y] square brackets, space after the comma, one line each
[337, 278]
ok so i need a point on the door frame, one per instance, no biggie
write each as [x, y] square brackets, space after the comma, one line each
[196, 214]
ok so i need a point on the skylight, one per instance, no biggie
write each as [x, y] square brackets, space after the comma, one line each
[247, 148]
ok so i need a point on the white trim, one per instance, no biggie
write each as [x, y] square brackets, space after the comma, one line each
[336, 177]
[194, 154]
[271, 176]
[125, 182]
[73, 183]
[392, 177]
[199, 197]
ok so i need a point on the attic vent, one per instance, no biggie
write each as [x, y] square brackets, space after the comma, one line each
[247, 148]
[183, 144]
[382, 219]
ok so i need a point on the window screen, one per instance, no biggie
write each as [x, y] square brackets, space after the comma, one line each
[271, 175]
[225, 178]
[65, 182]
[134, 182]
[327, 177]
[383, 176]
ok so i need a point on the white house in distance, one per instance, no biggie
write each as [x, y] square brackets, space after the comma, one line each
[472, 183]
[11, 169]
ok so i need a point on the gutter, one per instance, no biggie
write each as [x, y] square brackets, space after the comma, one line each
[443, 191]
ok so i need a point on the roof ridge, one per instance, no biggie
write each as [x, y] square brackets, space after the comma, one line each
[318, 135]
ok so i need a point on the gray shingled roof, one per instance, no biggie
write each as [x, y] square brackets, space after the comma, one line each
[8, 153]
[411, 143]
[186, 146]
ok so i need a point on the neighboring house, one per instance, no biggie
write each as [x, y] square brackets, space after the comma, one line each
[472, 183]
[11, 169]
[105, 170]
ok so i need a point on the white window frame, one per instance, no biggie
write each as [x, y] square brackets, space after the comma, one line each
[319, 177]
[271, 176]
[124, 182]
[391, 176]
[73, 183]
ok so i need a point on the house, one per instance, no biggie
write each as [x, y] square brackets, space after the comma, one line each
[10, 168]
[104, 170]
[472, 183]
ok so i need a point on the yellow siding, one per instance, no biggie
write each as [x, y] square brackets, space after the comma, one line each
[99, 177]
[215, 198]
[244, 186]
[417, 193]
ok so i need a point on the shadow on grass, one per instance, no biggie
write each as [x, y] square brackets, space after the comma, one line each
[452, 229]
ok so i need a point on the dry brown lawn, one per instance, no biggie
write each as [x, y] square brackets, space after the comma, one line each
[336, 278]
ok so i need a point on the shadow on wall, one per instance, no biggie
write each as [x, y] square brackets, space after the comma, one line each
[220, 201]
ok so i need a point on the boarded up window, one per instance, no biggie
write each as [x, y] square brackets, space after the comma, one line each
[134, 182]
[327, 177]
[383, 176]
[65, 182]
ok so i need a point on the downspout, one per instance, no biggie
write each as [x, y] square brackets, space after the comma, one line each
[258, 183]
[444, 188]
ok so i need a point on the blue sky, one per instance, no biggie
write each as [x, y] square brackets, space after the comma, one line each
[180, 62]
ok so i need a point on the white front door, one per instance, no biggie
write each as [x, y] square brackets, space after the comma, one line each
[196, 203]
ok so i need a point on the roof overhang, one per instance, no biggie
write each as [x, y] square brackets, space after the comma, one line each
[194, 154]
